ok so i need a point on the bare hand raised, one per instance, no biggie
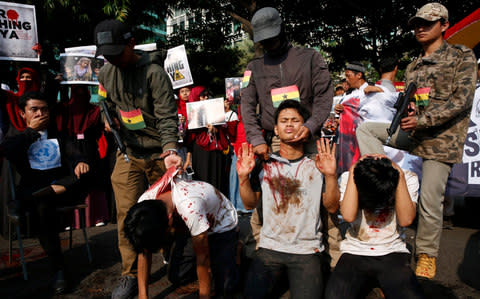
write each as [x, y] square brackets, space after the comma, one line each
[246, 160]
[325, 160]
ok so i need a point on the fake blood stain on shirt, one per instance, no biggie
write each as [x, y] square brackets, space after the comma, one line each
[285, 191]
[379, 218]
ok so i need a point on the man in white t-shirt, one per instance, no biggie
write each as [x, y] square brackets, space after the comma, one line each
[292, 189]
[210, 218]
[379, 199]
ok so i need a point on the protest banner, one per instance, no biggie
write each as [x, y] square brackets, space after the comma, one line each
[464, 178]
[85, 50]
[232, 89]
[202, 113]
[18, 32]
[177, 68]
[92, 49]
[146, 47]
[80, 68]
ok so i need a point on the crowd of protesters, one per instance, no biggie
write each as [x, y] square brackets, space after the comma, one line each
[295, 157]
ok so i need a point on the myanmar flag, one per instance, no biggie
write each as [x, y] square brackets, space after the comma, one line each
[285, 93]
[102, 93]
[421, 96]
[246, 78]
[399, 86]
[133, 120]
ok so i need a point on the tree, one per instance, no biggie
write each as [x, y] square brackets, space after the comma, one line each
[344, 29]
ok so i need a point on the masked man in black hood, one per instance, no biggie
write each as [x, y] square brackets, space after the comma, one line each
[284, 72]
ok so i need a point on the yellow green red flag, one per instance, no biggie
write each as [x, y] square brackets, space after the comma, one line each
[284, 93]
[421, 96]
[246, 78]
[399, 86]
[133, 120]
[102, 92]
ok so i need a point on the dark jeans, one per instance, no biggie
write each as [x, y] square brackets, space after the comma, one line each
[46, 220]
[223, 250]
[272, 272]
[392, 272]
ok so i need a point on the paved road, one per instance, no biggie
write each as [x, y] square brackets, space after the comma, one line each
[458, 274]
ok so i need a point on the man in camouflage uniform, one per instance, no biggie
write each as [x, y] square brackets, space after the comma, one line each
[436, 126]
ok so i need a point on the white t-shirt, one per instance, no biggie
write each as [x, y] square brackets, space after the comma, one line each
[231, 116]
[377, 234]
[291, 199]
[195, 202]
[378, 106]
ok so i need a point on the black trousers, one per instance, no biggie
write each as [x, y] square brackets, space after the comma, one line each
[392, 272]
[46, 220]
[223, 250]
[272, 273]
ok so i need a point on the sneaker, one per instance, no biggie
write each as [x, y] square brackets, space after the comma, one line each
[126, 289]
[426, 266]
[59, 283]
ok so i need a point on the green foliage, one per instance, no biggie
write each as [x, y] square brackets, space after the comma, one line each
[342, 30]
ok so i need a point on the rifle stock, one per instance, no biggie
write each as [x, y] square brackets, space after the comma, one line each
[401, 105]
[116, 135]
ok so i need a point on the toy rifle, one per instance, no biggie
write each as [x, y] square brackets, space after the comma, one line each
[401, 105]
[116, 135]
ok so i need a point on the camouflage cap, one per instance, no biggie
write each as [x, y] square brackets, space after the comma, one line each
[430, 12]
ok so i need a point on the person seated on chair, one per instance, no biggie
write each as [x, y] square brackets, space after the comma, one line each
[211, 220]
[49, 178]
[379, 199]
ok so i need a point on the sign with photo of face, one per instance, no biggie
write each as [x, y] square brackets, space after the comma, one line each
[232, 89]
[80, 68]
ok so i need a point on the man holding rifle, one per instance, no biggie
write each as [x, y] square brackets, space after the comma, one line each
[436, 123]
[140, 101]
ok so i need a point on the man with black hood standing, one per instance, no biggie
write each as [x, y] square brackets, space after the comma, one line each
[284, 72]
[140, 97]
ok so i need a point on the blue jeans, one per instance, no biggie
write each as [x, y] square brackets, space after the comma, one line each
[234, 191]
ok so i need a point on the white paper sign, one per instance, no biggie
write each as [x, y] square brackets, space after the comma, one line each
[202, 113]
[471, 149]
[18, 32]
[177, 68]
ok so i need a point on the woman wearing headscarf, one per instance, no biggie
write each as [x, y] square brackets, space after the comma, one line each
[80, 122]
[209, 147]
[28, 80]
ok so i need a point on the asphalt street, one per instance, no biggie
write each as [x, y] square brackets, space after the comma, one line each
[458, 274]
